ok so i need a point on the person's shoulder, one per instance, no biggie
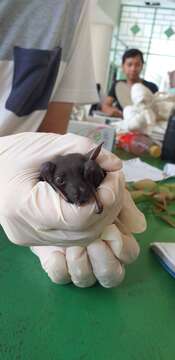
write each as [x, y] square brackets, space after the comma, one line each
[116, 82]
[151, 85]
[112, 92]
[120, 81]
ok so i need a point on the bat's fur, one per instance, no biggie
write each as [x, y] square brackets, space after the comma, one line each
[75, 176]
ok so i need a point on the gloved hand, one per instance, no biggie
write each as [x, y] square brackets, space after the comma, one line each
[139, 115]
[77, 243]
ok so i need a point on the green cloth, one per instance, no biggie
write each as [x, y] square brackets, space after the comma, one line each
[40, 320]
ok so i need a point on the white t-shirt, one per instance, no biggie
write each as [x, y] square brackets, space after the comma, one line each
[45, 55]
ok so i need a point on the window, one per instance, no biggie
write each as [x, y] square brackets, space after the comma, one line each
[150, 29]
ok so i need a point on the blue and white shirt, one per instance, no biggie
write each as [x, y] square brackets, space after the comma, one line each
[45, 56]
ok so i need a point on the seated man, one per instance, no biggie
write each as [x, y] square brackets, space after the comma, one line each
[119, 94]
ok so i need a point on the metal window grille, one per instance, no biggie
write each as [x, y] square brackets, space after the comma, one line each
[150, 29]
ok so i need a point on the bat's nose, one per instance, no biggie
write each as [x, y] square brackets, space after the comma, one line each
[82, 189]
[82, 196]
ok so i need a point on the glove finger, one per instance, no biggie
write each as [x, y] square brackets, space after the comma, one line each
[130, 216]
[111, 191]
[79, 267]
[108, 161]
[111, 234]
[40, 147]
[130, 249]
[53, 261]
[106, 267]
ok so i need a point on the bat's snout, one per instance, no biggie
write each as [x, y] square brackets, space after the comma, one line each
[79, 195]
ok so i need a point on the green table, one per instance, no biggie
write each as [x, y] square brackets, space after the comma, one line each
[40, 320]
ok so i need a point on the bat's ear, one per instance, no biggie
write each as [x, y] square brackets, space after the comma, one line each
[92, 154]
[47, 171]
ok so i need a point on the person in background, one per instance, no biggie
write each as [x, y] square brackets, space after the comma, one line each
[119, 94]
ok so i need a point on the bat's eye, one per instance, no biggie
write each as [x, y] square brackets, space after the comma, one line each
[60, 180]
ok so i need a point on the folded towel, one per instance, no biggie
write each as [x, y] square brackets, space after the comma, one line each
[166, 255]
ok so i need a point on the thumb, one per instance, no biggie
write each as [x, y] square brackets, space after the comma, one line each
[130, 216]
[109, 161]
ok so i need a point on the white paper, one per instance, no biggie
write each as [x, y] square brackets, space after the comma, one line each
[169, 169]
[136, 169]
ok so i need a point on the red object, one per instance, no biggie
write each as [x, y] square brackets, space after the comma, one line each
[136, 143]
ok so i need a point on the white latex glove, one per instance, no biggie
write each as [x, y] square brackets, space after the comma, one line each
[164, 109]
[141, 94]
[138, 117]
[33, 214]
[133, 118]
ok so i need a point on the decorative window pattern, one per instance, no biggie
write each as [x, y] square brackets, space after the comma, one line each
[150, 29]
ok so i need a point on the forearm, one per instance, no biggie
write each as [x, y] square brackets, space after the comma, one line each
[111, 111]
[57, 118]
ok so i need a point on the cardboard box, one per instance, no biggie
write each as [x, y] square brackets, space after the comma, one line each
[95, 131]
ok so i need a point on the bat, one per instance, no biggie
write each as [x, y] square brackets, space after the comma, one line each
[75, 176]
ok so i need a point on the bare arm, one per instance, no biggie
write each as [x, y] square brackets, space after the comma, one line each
[57, 118]
[109, 109]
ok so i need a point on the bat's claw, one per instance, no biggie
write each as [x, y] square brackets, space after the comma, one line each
[99, 209]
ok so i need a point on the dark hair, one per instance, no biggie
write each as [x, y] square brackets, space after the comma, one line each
[132, 53]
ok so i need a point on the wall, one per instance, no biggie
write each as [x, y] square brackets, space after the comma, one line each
[104, 18]
[111, 8]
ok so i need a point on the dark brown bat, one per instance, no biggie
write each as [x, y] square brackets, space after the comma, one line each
[75, 176]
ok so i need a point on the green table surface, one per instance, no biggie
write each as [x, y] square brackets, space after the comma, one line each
[41, 320]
